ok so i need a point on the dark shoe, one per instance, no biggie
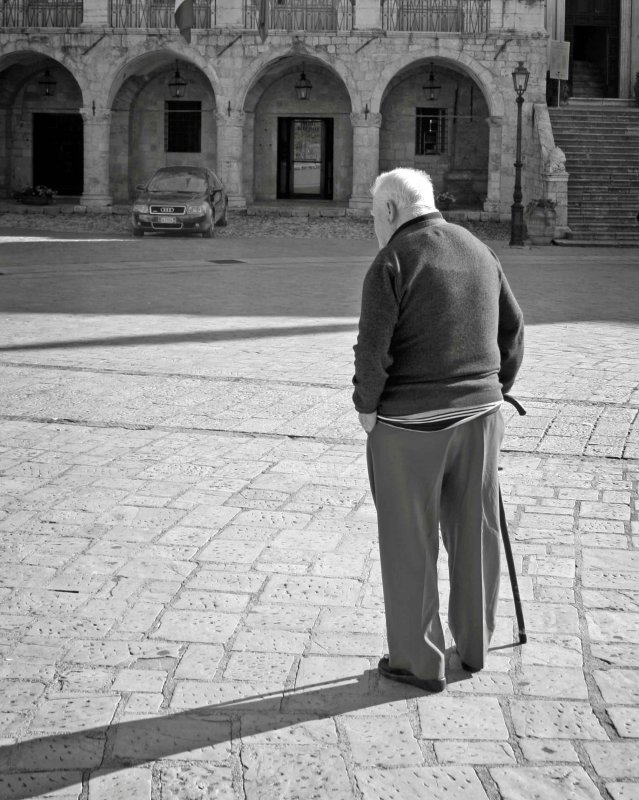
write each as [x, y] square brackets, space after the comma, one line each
[468, 668]
[404, 676]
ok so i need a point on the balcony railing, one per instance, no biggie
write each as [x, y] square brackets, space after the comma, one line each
[156, 13]
[41, 13]
[440, 16]
[302, 15]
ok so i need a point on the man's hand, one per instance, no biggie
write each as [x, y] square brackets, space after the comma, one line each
[368, 421]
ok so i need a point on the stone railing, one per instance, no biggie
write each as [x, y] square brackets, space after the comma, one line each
[302, 15]
[437, 16]
[41, 13]
[156, 13]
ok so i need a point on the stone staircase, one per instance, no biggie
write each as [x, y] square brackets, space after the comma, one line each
[600, 139]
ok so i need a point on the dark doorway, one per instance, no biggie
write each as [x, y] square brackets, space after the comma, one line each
[305, 158]
[58, 152]
[592, 27]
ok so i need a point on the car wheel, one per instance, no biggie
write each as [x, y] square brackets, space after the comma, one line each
[224, 219]
[209, 233]
[138, 232]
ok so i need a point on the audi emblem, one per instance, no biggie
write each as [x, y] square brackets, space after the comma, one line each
[167, 210]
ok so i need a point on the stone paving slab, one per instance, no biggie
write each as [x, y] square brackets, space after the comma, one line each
[190, 593]
[227, 664]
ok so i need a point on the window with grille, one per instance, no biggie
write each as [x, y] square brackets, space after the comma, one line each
[430, 131]
[182, 126]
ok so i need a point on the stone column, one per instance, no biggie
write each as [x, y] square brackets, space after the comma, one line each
[365, 158]
[625, 47]
[230, 152]
[493, 201]
[97, 134]
[5, 139]
[95, 14]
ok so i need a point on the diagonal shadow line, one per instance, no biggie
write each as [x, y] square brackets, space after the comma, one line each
[49, 763]
[201, 337]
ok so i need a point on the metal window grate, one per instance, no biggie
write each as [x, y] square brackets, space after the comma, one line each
[303, 15]
[182, 126]
[157, 13]
[41, 13]
[440, 16]
[430, 131]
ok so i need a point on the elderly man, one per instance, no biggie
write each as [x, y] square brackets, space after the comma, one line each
[440, 339]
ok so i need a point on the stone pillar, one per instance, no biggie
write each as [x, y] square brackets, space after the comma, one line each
[230, 152]
[556, 188]
[95, 14]
[496, 160]
[97, 135]
[5, 139]
[365, 158]
[625, 47]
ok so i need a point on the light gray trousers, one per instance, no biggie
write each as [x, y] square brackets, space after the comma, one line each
[422, 481]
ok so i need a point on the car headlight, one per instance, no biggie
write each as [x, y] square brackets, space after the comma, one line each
[140, 208]
[200, 208]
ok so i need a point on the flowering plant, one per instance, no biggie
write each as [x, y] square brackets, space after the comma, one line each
[35, 191]
[541, 202]
[445, 198]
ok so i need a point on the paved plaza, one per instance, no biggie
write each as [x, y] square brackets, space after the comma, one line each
[190, 593]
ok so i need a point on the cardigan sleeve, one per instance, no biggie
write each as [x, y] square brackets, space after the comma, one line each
[510, 337]
[378, 317]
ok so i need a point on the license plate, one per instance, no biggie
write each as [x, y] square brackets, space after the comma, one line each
[167, 220]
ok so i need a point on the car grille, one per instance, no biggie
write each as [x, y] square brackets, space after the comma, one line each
[168, 210]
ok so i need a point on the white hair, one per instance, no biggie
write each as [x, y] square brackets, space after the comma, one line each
[406, 188]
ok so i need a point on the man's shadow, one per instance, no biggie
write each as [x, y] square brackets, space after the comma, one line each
[48, 763]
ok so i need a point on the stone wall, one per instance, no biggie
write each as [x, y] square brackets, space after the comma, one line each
[361, 79]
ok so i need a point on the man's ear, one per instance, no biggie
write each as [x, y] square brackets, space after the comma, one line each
[391, 210]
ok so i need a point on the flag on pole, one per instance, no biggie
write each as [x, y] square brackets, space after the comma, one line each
[185, 17]
[262, 18]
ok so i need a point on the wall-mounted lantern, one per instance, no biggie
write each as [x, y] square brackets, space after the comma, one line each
[303, 86]
[431, 88]
[47, 84]
[177, 86]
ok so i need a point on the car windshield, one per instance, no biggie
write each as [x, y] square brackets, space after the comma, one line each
[177, 182]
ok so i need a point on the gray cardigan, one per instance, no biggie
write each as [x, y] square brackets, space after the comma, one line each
[439, 326]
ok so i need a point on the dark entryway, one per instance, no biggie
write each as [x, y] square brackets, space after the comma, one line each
[305, 157]
[592, 27]
[58, 152]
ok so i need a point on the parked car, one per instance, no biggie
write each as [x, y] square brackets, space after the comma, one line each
[185, 199]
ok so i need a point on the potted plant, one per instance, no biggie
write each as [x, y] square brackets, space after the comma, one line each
[541, 220]
[35, 195]
[445, 200]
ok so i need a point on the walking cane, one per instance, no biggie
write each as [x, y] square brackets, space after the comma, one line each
[508, 549]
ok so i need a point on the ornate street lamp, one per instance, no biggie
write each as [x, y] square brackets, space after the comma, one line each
[177, 86]
[303, 86]
[430, 88]
[47, 84]
[520, 82]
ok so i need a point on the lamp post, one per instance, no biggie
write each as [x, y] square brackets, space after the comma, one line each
[520, 81]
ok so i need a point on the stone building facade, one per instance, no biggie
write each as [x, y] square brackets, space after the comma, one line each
[86, 104]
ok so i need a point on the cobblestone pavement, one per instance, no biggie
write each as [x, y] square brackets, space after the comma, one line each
[190, 593]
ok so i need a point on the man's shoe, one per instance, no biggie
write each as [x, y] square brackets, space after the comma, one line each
[404, 676]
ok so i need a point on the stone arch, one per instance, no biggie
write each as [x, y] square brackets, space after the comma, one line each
[279, 127]
[136, 98]
[451, 57]
[41, 135]
[449, 136]
[262, 65]
[146, 55]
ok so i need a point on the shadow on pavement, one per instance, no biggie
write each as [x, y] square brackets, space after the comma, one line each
[49, 763]
[197, 337]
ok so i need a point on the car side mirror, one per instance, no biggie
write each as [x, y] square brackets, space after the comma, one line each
[140, 187]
